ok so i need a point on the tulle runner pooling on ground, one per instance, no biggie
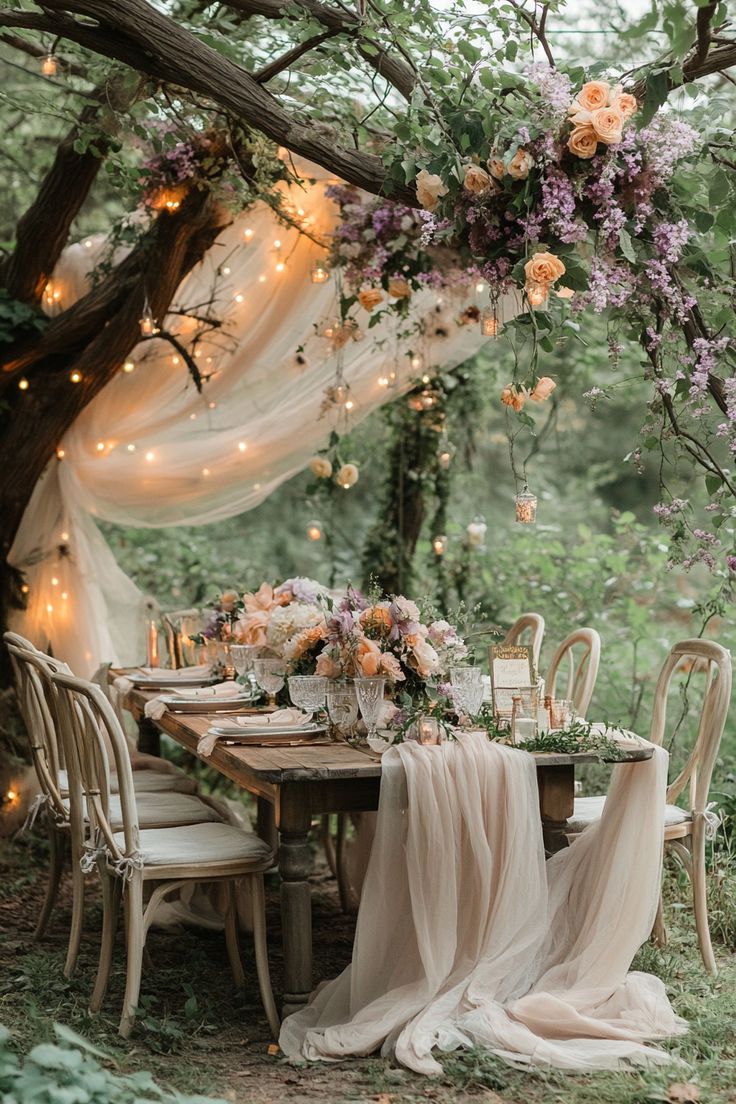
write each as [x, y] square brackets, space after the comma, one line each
[465, 936]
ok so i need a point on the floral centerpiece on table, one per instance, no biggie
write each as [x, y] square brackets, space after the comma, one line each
[365, 637]
[271, 616]
[221, 617]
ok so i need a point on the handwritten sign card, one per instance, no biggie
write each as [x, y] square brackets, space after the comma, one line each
[511, 669]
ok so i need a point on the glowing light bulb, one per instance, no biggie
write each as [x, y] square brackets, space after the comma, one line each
[239, 298]
[212, 405]
[64, 595]
[88, 243]
[175, 360]
[417, 362]
[60, 453]
[226, 270]
[480, 287]
[49, 65]
[76, 377]
[54, 581]
[49, 608]
[261, 279]
[426, 378]
[248, 233]
[314, 531]
[24, 588]
[100, 446]
[192, 417]
[439, 545]
[23, 384]
[280, 267]
[129, 366]
[131, 448]
[349, 404]
[205, 471]
[150, 456]
[242, 446]
[383, 381]
[277, 244]
[64, 537]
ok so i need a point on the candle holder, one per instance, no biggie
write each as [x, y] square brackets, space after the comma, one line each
[526, 506]
[490, 324]
[320, 274]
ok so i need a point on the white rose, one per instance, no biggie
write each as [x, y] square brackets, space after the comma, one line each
[321, 467]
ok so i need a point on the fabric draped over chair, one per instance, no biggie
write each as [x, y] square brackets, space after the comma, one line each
[150, 451]
[466, 937]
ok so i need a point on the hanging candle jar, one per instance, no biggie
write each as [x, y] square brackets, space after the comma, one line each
[526, 506]
[439, 544]
[147, 321]
[537, 294]
[445, 455]
[49, 65]
[314, 531]
[320, 274]
[490, 324]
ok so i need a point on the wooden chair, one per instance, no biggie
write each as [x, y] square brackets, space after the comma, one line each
[44, 721]
[686, 830]
[533, 624]
[128, 856]
[582, 671]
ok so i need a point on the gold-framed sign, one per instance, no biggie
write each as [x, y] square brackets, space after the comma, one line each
[512, 668]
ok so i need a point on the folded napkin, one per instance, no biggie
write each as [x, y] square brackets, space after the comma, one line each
[223, 691]
[281, 718]
[123, 683]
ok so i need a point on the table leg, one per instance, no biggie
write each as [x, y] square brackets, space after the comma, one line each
[294, 818]
[556, 804]
[149, 737]
[266, 824]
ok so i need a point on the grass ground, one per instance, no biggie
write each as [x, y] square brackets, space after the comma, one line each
[197, 1036]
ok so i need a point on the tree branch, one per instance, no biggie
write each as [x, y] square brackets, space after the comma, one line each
[43, 230]
[538, 28]
[703, 28]
[147, 40]
[724, 57]
[268, 72]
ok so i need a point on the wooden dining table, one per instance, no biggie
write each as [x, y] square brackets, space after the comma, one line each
[293, 785]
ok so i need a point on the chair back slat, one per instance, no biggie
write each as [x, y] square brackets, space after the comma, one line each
[531, 624]
[715, 662]
[581, 673]
[93, 726]
[40, 724]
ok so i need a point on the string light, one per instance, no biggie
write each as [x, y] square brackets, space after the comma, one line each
[192, 417]
[248, 234]
[205, 471]
[64, 595]
[212, 405]
[147, 322]
[314, 531]
[239, 298]
[24, 588]
[439, 545]
[242, 446]
[76, 377]
[383, 381]
[64, 537]
[100, 446]
[129, 366]
[131, 448]
[52, 293]
[480, 287]
[349, 404]
[54, 581]
[11, 795]
[88, 243]
[49, 65]
[277, 244]
[280, 266]
[60, 453]
[417, 362]
[175, 360]
[261, 279]
[23, 384]
[150, 456]
[226, 270]
[49, 608]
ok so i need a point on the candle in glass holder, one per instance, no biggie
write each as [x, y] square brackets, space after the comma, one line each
[490, 325]
[526, 506]
[537, 294]
[153, 658]
[320, 273]
[49, 65]
[439, 545]
[429, 730]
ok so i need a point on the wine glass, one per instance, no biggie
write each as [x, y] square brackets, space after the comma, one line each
[342, 706]
[308, 692]
[467, 686]
[369, 692]
[270, 675]
[242, 657]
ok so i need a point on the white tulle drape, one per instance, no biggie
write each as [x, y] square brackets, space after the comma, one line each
[151, 451]
[465, 936]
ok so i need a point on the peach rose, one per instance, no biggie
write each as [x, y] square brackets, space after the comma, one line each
[424, 659]
[327, 667]
[544, 268]
[514, 397]
[376, 619]
[583, 141]
[348, 475]
[477, 181]
[543, 389]
[496, 167]
[592, 95]
[369, 298]
[623, 102]
[399, 288]
[321, 467]
[520, 164]
[564, 293]
[608, 123]
[430, 189]
[369, 663]
[391, 667]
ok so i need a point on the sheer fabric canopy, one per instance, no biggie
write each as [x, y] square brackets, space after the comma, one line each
[151, 451]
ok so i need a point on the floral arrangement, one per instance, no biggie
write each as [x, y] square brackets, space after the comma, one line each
[271, 616]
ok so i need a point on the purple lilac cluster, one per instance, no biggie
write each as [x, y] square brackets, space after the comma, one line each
[670, 238]
[665, 142]
[180, 163]
[555, 88]
[559, 208]
[373, 238]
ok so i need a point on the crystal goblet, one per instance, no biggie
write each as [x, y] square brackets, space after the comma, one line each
[369, 692]
[270, 675]
[308, 692]
[342, 706]
[242, 657]
[467, 686]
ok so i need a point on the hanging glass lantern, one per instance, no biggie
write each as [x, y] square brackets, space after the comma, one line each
[445, 455]
[490, 325]
[320, 273]
[417, 362]
[147, 321]
[331, 328]
[526, 506]
[49, 65]
[476, 532]
[439, 545]
[314, 531]
[537, 294]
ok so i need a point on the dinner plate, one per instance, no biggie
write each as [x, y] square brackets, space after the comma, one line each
[233, 730]
[207, 705]
[162, 682]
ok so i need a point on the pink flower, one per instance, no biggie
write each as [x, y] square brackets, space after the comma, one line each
[327, 667]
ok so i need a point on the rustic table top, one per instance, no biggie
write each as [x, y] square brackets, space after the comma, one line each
[305, 763]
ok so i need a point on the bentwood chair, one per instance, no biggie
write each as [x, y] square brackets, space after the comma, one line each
[581, 653]
[686, 829]
[531, 624]
[128, 856]
[65, 824]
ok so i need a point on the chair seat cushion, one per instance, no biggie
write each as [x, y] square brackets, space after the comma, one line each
[201, 843]
[146, 781]
[590, 809]
[164, 810]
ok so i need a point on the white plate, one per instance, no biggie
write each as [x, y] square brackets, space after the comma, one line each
[206, 705]
[267, 730]
[162, 682]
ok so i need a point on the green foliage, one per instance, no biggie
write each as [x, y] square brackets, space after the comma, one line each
[18, 320]
[71, 1071]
